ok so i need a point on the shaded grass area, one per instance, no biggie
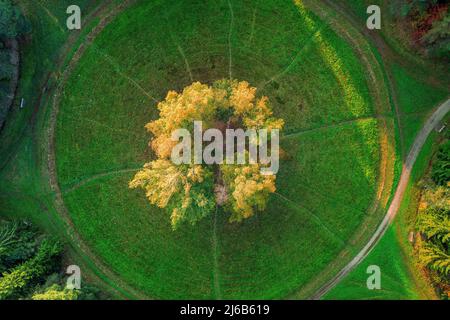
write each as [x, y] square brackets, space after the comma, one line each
[397, 33]
[22, 139]
[24, 189]
[112, 93]
[39, 59]
[359, 7]
[393, 254]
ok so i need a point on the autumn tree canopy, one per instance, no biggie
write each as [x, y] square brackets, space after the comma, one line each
[192, 191]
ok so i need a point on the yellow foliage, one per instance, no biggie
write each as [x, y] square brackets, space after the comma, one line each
[162, 180]
[197, 102]
[55, 293]
[254, 115]
[165, 183]
[163, 145]
[249, 189]
[242, 98]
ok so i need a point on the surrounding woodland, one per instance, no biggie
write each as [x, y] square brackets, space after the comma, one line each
[428, 21]
[30, 262]
[433, 222]
[31, 268]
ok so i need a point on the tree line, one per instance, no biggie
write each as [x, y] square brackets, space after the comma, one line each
[430, 23]
[433, 222]
[31, 268]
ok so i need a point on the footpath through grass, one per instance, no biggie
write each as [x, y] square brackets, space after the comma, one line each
[301, 64]
[24, 188]
[393, 254]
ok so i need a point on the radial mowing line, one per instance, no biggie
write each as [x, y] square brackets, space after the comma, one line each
[215, 245]
[229, 38]
[117, 69]
[294, 60]
[252, 32]
[332, 125]
[100, 124]
[52, 16]
[180, 49]
[321, 223]
[186, 62]
[98, 176]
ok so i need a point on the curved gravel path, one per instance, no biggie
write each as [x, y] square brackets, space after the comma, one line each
[429, 126]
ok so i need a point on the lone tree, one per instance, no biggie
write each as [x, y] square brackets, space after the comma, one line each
[190, 192]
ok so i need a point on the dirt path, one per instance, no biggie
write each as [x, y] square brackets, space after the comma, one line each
[332, 125]
[382, 113]
[98, 176]
[76, 239]
[429, 126]
[386, 54]
[215, 249]
[60, 206]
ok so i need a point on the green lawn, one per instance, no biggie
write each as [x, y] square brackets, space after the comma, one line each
[24, 189]
[393, 254]
[39, 59]
[315, 82]
[416, 101]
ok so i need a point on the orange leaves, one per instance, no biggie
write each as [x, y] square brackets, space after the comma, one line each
[242, 98]
[254, 114]
[160, 179]
[249, 189]
[191, 191]
[197, 102]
